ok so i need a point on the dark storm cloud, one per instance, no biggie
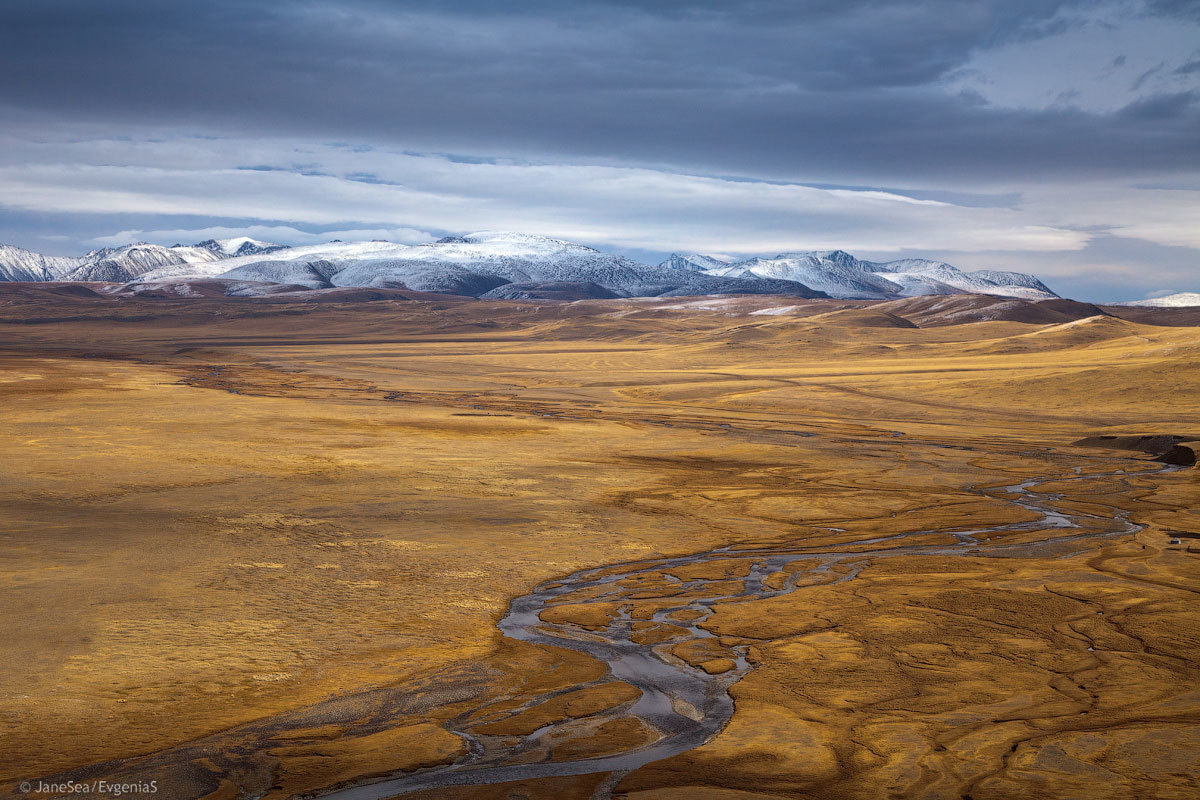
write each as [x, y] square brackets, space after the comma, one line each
[818, 90]
[1185, 9]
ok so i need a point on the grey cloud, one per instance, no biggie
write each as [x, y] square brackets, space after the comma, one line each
[1140, 81]
[804, 90]
[1186, 9]
[1171, 107]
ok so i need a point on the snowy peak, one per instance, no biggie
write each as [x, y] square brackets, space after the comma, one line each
[915, 266]
[128, 262]
[839, 257]
[922, 276]
[131, 261]
[835, 272]
[240, 246]
[1011, 283]
[1178, 300]
[841, 275]
[19, 264]
[694, 262]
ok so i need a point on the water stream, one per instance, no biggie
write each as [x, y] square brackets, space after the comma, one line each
[685, 704]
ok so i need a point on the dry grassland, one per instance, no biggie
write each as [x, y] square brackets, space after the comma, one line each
[262, 550]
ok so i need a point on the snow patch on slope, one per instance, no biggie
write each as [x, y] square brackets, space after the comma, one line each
[774, 311]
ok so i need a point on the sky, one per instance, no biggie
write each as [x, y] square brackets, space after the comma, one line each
[1055, 137]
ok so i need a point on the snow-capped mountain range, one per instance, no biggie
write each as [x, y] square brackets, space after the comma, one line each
[513, 266]
[840, 274]
[121, 264]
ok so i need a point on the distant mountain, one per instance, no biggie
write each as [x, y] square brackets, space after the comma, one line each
[313, 274]
[695, 262]
[1011, 284]
[18, 264]
[834, 272]
[841, 275]
[474, 265]
[920, 276]
[1180, 300]
[121, 264]
[516, 265]
[241, 246]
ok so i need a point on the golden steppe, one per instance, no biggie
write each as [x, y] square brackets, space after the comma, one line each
[261, 549]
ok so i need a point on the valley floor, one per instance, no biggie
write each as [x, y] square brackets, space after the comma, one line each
[262, 550]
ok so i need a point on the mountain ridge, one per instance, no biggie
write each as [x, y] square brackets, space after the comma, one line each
[842, 275]
[532, 265]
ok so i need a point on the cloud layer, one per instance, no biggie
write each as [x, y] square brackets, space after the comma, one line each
[331, 186]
